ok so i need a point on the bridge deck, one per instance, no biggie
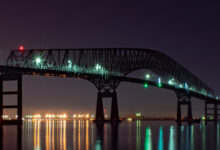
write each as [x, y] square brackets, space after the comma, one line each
[63, 74]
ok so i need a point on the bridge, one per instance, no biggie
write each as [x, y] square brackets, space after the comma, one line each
[106, 68]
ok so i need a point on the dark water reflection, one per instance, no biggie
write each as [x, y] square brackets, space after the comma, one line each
[85, 135]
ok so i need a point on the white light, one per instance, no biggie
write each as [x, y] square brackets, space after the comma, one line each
[159, 80]
[38, 60]
[70, 63]
[148, 76]
[98, 67]
[186, 86]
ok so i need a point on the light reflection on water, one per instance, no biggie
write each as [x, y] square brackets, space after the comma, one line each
[85, 135]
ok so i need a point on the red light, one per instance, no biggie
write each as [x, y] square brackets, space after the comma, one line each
[21, 48]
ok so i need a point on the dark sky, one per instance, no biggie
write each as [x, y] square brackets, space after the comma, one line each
[187, 32]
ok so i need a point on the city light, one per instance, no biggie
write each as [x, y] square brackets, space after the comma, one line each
[5, 116]
[138, 114]
[83, 116]
[37, 116]
[50, 116]
[129, 119]
[63, 116]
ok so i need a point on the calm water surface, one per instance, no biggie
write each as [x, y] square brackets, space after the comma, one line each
[85, 135]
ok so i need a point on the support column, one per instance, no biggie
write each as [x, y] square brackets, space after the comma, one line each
[184, 99]
[19, 98]
[19, 136]
[189, 117]
[215, 113]
[114, 108]
[99, 108]
[18, 93]
[212, 111]
[1, 99]
[178, 112]
[206, 116]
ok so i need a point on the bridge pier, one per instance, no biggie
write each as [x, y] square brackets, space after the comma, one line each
[211, 113]
[184, 100]
[99, 109]
[11, 77]
[114, 106]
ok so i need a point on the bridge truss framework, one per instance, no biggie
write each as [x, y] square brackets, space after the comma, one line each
[105, 68]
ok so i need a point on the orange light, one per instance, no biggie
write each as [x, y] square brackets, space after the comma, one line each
[21, 48]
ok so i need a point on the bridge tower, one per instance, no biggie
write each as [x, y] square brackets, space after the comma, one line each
[184, 99]
[18, 93]
[106, 89]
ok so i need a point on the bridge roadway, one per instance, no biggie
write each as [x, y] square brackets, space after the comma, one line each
[63, 74]
[8, 70]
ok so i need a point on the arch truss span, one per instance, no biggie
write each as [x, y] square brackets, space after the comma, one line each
[107, 67]
[107, 62]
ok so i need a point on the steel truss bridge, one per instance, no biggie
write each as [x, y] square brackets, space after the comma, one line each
[106, 68]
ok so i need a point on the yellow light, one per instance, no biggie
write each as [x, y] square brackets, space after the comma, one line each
[129, 119]
[87, 115]
[37, 116]
[63, 116]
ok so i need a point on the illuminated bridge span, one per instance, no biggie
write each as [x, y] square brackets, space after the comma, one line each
[106, 68]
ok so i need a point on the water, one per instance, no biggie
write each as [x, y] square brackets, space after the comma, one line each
[85, 135]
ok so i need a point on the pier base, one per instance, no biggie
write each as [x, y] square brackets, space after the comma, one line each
[114, 107]
[184, 99]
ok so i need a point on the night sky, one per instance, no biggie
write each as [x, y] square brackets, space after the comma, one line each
[187, 32]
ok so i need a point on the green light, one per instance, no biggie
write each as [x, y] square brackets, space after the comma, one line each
[203, 118]
[159, 85]
[148, 140]
[160, 142]
[145, 85]
[159, 82]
